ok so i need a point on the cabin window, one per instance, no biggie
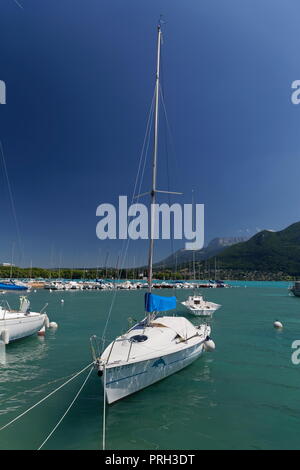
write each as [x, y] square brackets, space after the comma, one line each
[138, 338]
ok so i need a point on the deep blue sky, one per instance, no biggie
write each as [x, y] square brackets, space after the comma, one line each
[80, 78]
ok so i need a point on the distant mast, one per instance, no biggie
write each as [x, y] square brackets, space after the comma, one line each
[154, 164]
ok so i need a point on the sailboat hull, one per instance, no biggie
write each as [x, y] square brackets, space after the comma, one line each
[125, 380]
[12, 287]
[19, 328]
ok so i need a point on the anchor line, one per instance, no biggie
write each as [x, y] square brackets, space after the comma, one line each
[45, 398]
[67, 410]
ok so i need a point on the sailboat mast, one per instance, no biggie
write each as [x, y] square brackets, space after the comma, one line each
[154, 164]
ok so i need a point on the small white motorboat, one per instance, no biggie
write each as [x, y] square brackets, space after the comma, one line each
[17, 324]
[200, 307]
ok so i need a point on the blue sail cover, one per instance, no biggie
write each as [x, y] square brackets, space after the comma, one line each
[157, 303]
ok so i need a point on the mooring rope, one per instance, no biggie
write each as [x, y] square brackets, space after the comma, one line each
[104, 410]
[35, 389]
[137, 184]
[12, 201]
[45, 398]
[67, 410]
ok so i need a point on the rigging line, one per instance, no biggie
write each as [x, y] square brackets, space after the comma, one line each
[166, 143]
[161, 89]
[104, 411]
[145, 159]
[148, 127]
[170, 132]
[67, 410]
[18, 4]
[125, 246]
[45, 398]
[139, 192]
[11, 199]
[162, 92]
[5, 400]
[138, 171]
[168, 174]
[143, 156]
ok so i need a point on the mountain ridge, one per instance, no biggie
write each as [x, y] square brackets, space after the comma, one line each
[182, 256]
[267, 251]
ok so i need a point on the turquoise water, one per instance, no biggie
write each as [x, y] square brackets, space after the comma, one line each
[245, 395]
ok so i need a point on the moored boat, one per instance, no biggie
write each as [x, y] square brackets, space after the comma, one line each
[13, 286]
[159, 345]
[295, 289]
[17, 324]
[150, 352]
[200, 307]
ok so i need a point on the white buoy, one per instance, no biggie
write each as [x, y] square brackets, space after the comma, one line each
[53, 324]
[62, 301]
[277, 324]
[50, 290]
[42, 331]
[209, 345]
[34, 290]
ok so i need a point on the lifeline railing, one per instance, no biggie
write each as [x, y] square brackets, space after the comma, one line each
[96, 354]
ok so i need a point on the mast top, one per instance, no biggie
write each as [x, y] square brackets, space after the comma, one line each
[160, 22]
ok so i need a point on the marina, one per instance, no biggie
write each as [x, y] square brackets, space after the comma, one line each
[109, 284]
[237, 388]
[149, 264]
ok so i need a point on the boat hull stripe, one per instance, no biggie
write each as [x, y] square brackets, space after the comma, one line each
[146, 371]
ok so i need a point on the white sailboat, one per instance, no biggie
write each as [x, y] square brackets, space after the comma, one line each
[17, 324]
[157, 346]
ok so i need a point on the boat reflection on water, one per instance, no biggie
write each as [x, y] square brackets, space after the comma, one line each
[21, 364]
[194, 382]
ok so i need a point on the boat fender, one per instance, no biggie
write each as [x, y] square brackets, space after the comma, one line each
[100, 373]
[53, 324]
[277, 324]
[5, 336]
[47, 322]
[42, 331]
[209, 344]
